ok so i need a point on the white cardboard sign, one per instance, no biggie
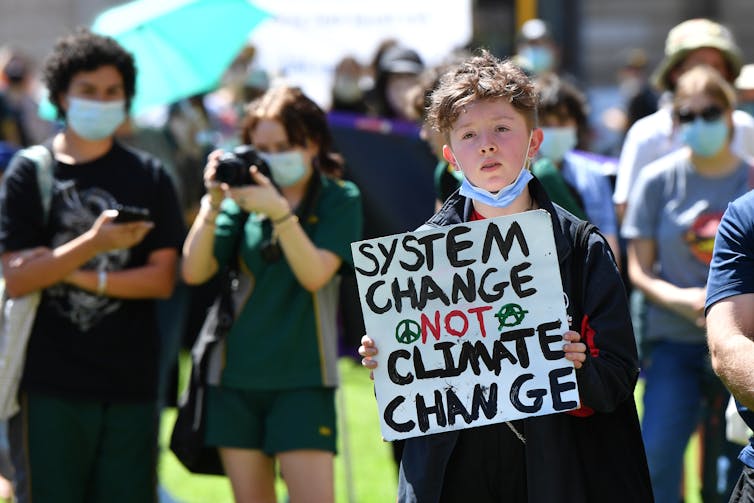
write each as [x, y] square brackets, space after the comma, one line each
[468, 320]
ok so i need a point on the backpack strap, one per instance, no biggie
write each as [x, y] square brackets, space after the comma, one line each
[42, 159]
[580, 246]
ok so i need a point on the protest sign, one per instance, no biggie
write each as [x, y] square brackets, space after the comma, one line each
[468, 320]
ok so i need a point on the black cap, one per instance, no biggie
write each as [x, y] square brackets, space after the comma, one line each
[16, 69]
[401, 59]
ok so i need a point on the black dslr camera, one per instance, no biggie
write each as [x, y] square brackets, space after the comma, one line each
[233, 167]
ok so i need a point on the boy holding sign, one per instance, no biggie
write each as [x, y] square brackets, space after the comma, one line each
[486, 110]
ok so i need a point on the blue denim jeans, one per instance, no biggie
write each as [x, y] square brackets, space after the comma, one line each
[679, 388]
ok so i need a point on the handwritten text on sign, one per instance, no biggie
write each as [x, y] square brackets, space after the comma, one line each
[468, 320]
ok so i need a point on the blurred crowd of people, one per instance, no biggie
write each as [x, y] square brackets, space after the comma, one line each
[686, 144]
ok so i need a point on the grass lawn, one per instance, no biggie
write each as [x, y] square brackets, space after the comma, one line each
[364, 468]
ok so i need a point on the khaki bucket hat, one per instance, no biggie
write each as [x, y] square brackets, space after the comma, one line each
[689, 36]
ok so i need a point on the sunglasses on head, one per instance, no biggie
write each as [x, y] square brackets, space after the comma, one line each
[708, 114]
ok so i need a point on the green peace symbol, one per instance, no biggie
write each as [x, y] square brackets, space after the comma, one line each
[407, 331]
[510, 315]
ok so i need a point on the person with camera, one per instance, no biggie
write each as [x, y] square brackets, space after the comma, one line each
[87, 428]
[275, 401]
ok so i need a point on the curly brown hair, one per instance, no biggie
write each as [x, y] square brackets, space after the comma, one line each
[481, 77]
[84, 51]
[302, 120]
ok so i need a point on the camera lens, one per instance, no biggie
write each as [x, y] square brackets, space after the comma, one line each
[251, 156]
[232, 170]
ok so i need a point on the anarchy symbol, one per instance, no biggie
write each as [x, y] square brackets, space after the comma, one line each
[510, 315]
[407, 331]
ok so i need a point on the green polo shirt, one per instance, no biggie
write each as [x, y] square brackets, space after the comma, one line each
[285, 336]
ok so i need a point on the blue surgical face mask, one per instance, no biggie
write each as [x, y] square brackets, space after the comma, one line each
[95, 120]
[505, 196]
[536, 58]
[557, 141]
[705, 138]
[286, 168]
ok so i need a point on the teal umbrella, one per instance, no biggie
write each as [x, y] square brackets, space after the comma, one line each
[181, 47]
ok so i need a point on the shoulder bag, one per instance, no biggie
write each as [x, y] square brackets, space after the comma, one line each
[17, 314]
[207, 355]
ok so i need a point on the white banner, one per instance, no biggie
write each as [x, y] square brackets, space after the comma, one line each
[468, 320]
[305, 39]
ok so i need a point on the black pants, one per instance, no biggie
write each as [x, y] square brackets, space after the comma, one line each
[488, 464]
[744, 490]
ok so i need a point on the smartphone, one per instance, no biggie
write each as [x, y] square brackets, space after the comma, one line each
[131, 214]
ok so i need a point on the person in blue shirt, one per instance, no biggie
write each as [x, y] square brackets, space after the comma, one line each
[729, 311]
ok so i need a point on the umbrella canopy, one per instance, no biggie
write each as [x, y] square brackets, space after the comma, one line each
[181, 47]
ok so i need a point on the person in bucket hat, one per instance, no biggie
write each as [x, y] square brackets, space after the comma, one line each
[691, 36]
[691, 43]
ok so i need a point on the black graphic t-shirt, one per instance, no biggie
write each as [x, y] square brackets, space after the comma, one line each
[82, 344]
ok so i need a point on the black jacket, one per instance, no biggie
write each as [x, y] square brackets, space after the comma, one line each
[596, 453]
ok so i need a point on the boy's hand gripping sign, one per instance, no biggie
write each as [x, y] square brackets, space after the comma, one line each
[469, 322]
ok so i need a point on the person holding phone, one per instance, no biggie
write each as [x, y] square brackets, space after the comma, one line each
[87, 428]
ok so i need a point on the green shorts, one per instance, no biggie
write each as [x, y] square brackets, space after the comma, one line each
[86, 451]
[271, 421]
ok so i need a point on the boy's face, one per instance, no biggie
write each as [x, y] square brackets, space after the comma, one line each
[490, 143]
